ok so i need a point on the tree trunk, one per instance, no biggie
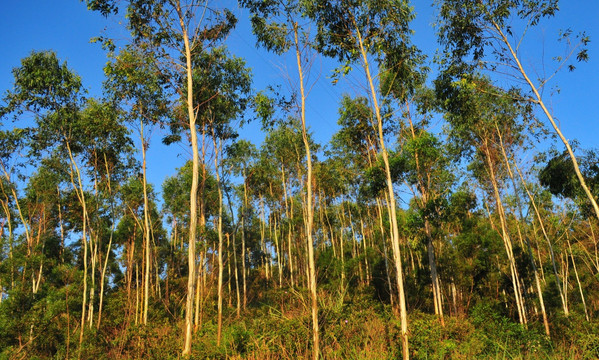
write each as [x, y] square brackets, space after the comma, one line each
[217, 150]
[310, 209]
[236, 271]
[114, 222]
[539, 101]
[243, 256]
[507, 242]
[146, 227]
[541, 223]
[392, 203]
[584, 303]
[289, 216]
[191, 259]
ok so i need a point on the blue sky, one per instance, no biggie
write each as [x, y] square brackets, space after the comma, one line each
[66, 27]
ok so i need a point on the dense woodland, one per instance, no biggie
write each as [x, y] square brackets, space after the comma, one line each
[422, 229]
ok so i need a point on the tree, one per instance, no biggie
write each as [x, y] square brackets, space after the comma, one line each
[428, 172]
[52, 92]
[177, 33]
[70, 127]
[134, 86]
[472, 29]
[240, 156]
[278, 28]
[484, 123]
[360, 31]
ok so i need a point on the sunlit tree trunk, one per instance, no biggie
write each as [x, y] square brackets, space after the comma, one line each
[541, 103]
[534, 266]
[507, 242]
[379, 207]
[243, 252]
[104, 267]
[236, 272]
[365, 248]
[342, 225]
[425, 196]
[220, 242]
[81, 197]
[278, 249]
[146, 226]
[289, 216]
[584, 303]
[392, 204]
[194, 184]
[309, 207]
[265, 257]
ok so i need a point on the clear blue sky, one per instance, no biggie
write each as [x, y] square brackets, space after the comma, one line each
[66, 27]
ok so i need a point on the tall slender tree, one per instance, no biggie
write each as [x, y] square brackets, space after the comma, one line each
[473, 31]
[177, 33]
[375, 35]
[279, 27]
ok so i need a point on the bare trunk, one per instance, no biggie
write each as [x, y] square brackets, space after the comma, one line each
[539, 101]
[263, 248]
[379, 206]
[438, 301]
[310, 209]
[584, 303]
[278, 250]
[236, 266]
[534, 266]
[103, 277]
[146, 227]
[507, 242]
[289, 216]
[541, 223]
[193, 221]
[243, 260]
[217, 150]
[81, 197]
[392, 204]
[365, 247]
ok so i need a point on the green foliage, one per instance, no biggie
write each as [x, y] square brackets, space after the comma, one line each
[375, 179]
[383, 27]
[42, 202]
[559, 178]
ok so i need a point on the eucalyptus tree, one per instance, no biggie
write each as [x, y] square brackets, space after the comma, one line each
[240, 157]
[375, 35]
[223, 92]
[428, 172]
[489, 35]
[70, 127]
[471, 260]
[107, 155]
[53, 93]
[282, 152]
[354, 148]
[134, 86]
[279, 26]
[11, 143]
[176, 205]
[30, 308]
[130, 238]
[559, 177]
[177, 32]
[262, 178]
[333, 174]
[484, 122]
[7, 225]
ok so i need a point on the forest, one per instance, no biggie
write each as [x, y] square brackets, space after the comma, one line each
[448, 217]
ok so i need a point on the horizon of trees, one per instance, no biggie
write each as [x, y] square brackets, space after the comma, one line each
[415, 217]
